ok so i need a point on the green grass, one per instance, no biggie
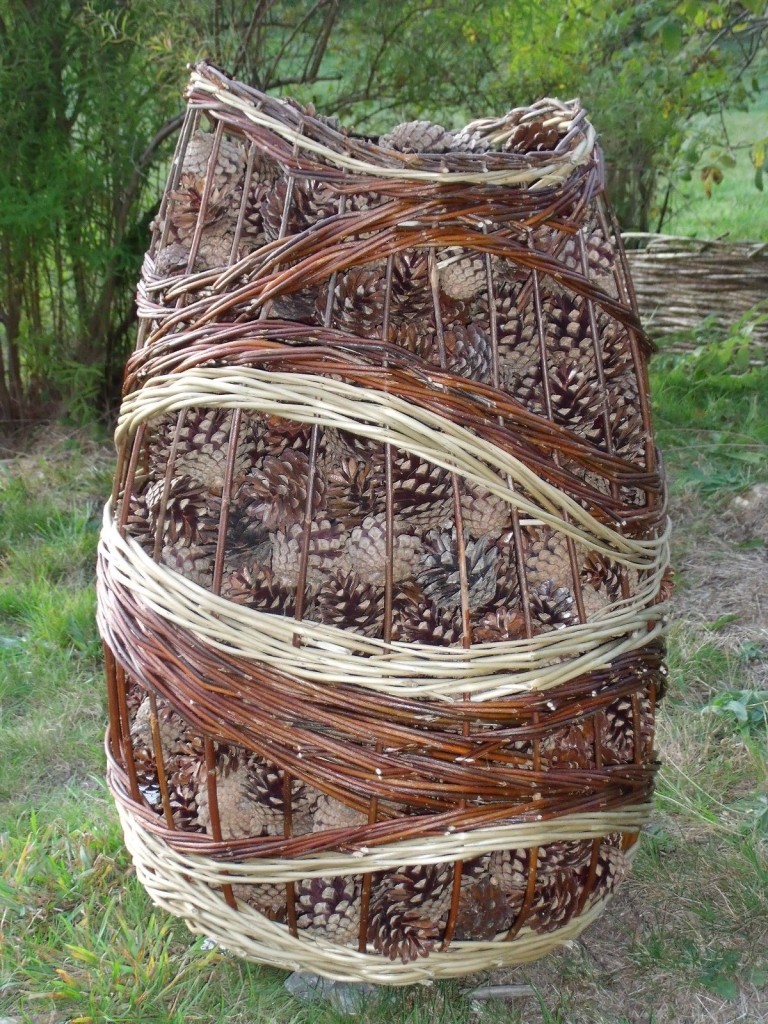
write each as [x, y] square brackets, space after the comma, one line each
[735, 209]
[79, 939]
[50, 660]
[711, 415]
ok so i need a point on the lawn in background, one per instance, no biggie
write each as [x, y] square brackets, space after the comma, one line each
[736, 210]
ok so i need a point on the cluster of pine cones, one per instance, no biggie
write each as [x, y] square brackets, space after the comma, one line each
[306, 519]
[279, 475]
[408, 906]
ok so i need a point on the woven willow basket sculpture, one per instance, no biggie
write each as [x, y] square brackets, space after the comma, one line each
[382, 579]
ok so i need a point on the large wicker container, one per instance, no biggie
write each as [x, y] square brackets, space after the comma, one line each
[381, 580]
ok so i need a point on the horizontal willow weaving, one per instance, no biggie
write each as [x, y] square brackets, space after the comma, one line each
[382, 579]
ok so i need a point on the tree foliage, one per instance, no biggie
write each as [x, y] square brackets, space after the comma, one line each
[90, 95]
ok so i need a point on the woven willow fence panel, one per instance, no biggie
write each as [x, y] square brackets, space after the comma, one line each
[382, 578]
[680, 282]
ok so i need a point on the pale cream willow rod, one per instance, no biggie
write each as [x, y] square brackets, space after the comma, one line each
[430, 849]
[536, 178]
[310, 398]
[333, 656]
[179, 884]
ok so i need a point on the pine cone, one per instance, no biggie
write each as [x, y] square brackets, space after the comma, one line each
[218, 220]
[242, 810]
[310, 202]
[467, 141]
[186, 208]
[422, 493]
[484, 911]
[617, 731]
[266, 783]
[567, 855]
[617, 358]
[500, 624]
[626, 425]
[176, 736]
[569, 355]
[467, 352]
[268, 898]
[187, 517]
[183, 776]
[600, 582]
[277, 493]
[265, 174]
[417, 137]
[343, 444]
[367, 551]
[576, 400]
[359, 296]
[410, 336]
[254, 586]
[329, 813]
[509, 869]
[411, 299]
[575, 345]
[216, 247]
[462, 273]
[547, 558]
[230, 160]
[345, 601]
[409, 909]
[556, 899]
[573, 746]
[247, 536]
[483, 513]
[193, 561]
[418, 620]
[493, 888]
[507, 594]
[326, 551]
[611, 868]
[171, 259]
[553, 606]
[520, 370]
[273, 435]
[533, 136]
[330, 907]
[354, 490]
[600, 253]
[440, 579]
[202, 450]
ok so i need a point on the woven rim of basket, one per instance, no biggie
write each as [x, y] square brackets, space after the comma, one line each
[317, 137]
[189, 886]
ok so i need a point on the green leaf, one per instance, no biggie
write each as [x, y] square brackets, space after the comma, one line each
[672, 35]
[738, 711]
[752, 651]
[759, 179]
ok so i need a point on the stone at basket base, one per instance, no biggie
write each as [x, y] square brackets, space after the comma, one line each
[346, 997]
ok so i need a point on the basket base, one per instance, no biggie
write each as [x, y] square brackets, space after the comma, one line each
[187, 886]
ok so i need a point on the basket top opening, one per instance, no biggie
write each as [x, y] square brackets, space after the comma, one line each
[534, 146]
